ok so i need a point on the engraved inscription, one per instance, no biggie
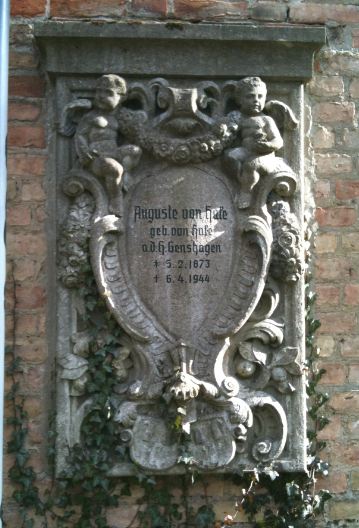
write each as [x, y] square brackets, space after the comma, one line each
[183, 247]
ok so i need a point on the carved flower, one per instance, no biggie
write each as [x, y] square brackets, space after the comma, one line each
[288, 238]
[182, 154]
[163, 149]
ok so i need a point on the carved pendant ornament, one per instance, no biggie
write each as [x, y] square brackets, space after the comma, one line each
[180, 201]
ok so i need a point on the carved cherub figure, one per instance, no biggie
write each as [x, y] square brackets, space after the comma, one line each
[96, 141]
[259, 136]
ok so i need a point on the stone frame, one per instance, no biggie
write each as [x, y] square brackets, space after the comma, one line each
[282, 57]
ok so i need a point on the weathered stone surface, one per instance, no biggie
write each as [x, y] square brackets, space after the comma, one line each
[181, 49]
[179, 195]
[181, 235]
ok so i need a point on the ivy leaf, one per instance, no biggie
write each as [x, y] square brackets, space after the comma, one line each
[205, 517]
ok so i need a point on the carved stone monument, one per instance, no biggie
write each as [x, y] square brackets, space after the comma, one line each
[183, 197]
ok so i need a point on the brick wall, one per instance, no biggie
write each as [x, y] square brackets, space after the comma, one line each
[333, 144]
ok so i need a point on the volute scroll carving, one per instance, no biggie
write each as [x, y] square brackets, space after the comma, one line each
[180, 203]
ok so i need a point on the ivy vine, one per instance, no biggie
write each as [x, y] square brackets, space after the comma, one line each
[81, 495]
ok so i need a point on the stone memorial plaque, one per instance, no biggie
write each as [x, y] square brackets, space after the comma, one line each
[181, 196]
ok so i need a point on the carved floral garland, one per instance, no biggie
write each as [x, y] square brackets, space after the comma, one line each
[192, 150]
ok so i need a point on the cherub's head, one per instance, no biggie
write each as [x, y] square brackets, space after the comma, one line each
[251, 95]
[110, 91]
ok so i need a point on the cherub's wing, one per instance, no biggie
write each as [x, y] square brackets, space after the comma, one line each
[72, 114]
[228, 97]
[282, 114]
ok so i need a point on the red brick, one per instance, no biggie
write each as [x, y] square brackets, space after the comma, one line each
[326, 243]
[347, 454]
[34, 379]
[354, 480]
[26, 268]
[21, 34]
[336, 216]
[344, 402]
[87, 8]
[19, 215]
[40, 214]
[9, 299]
[12, 189]
[337, 323]
[350, 346]
[33, 406]
[350, 241]
[326, 345]
[328, 164]
[30, 297]
[353, 374]
[28, 324]
[350, 139]
[268, 11]
[36, 433]
[11, 518]
[28, 8]
[327, 295]
[26, 164]
[23, 111]
[322, 190]
[339, 62]
[333, 268]
[198, 9]
[26, 136]
[353, 427]
[22, 60]
[26, 244]
[322, 13]
[335, 373]
[143, 7]
[326, 85]
[334, 112]
[32, 191]
[332, 431]
[26, 86]
[347, 189]
[344, 509]
[355, 36]
[323, 138]
[9, 325]
[33, 350]
[354, 88]
[335, 482]
[351, 294]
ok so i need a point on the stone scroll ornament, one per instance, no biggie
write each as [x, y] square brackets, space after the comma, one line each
[179, 200]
